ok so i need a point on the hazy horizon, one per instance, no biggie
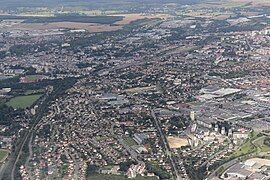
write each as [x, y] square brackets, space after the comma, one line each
[88, 3]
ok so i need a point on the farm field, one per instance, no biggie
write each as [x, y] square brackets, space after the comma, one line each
[253, 2]
[90, 27]
[213, 15]
[233, 3]
[64, 18]
[128, 18]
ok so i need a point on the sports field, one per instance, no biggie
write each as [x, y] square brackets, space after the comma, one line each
[3, 154]
[23, 101]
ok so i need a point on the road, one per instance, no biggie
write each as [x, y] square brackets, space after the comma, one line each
[9, 170]
[76, 167]
[30, 155]
[232, 162]
[133, 154]
[168, 151]
[214, 156]
[225, 166]
[2, 169]
[28, 134]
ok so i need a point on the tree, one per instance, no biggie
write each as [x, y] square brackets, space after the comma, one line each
[124, 166]
[92, 169]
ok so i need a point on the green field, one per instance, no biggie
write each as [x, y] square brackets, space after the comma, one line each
[23, 101]
[130, 141]
[117, 177]
[65, 18]
[252, 145]
[32, 78]
[248, 147]
[3, 155]
[260, 145]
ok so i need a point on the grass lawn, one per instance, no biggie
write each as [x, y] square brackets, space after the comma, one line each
[32, 78]
[255, 143]
[23, 101]
[261, 146]
[3, 154]
[130, 141]
[117, 177]
[248, 147]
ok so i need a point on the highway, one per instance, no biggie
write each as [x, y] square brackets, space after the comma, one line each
[10, 168]
[236, 160]
[225, 166]
[214, 156]
[232, 162]
[42, 103]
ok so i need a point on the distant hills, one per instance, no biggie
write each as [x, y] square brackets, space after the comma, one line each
[118, 4]
[254, 2]
[89, 3]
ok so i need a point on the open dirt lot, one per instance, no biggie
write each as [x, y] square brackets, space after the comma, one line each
[176, 142]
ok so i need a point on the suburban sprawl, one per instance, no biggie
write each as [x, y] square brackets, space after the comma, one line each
[168, 91]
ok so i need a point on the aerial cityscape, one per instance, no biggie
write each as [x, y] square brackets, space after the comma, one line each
[135, 89]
